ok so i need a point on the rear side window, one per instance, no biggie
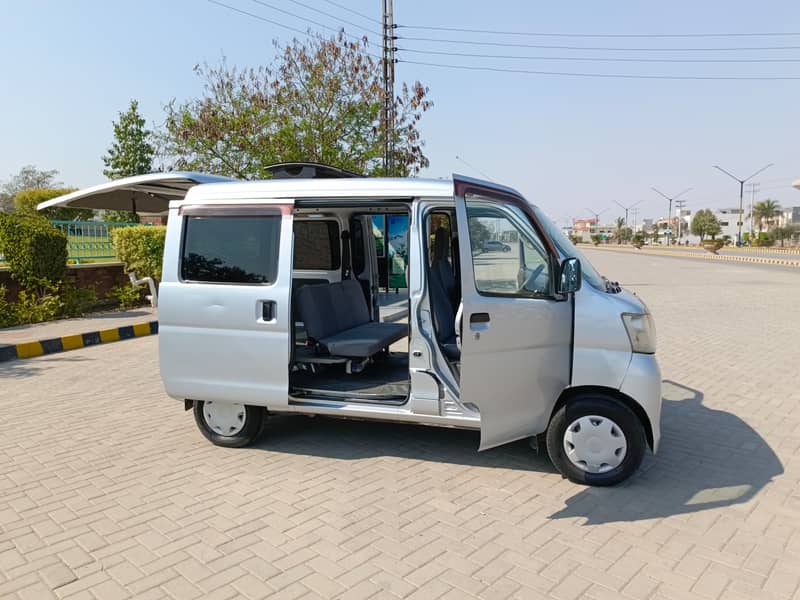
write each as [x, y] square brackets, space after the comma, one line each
[231, 249]
[316, 245]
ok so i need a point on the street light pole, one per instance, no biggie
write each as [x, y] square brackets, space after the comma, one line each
[741, 195]
[670, 198]
[627, 208]
[596, 218]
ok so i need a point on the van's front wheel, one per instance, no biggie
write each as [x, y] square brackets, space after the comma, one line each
[229, 424]
[595, 440]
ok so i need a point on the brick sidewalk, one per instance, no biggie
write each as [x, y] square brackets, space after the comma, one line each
[107, 490]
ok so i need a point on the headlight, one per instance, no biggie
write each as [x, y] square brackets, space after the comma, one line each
[641, 332]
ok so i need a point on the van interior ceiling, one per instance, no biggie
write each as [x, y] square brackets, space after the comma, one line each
[350, 341]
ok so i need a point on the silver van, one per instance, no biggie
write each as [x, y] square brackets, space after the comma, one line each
[276, 297]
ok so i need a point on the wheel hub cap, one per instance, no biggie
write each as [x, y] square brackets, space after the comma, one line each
[595, 444]
[224, 418]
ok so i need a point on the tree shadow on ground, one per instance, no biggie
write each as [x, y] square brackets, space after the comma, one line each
[22, 368]
[708, 459]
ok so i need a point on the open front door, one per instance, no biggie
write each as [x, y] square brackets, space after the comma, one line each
[516, 332]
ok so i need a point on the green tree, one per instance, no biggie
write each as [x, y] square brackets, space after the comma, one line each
[478, 234]
[25, 203]
[28, 178]
[622, 233]
[705, 224]
[619, 225]
[131, 153]
[786, 232]
[319, 101]
[764, 213]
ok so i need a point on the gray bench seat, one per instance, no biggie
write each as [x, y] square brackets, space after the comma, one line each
[364, 340]
[336, 317]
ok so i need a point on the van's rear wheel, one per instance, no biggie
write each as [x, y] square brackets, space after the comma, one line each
[596, 440]
[229, 424]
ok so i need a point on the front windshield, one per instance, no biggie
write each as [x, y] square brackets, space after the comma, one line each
[568, 250]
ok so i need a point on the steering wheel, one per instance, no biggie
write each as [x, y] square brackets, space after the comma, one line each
[532, 277]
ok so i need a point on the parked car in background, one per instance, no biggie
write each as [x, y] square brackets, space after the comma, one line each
[495, 246]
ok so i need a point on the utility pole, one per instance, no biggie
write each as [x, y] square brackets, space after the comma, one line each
[741, 194]
[680, 204]
[753, 188]
[669, 215]
[635, 213]
[388, 88]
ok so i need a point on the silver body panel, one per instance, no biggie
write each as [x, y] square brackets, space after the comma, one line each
[642, 382]
[602, 349]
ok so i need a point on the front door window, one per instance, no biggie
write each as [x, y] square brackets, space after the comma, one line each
[508, 258]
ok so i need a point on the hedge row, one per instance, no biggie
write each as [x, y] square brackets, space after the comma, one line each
[36, 252]
[141, 249]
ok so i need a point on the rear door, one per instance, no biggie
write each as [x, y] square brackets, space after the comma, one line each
[224, 303]
[516, 333]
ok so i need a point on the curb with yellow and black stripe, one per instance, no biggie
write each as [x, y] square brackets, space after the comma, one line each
[73, 342]
[760, 260]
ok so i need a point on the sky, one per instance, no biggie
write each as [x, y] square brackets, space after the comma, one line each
[569, 144]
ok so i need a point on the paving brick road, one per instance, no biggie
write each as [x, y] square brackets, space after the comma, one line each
[108, 491]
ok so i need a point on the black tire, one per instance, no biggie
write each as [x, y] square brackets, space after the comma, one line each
[603, 406]
[253, 424]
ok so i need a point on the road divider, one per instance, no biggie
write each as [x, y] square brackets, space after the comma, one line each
[762, 260]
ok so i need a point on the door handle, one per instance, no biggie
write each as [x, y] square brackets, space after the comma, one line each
[459, 317]
[479, 318]
[268, 310]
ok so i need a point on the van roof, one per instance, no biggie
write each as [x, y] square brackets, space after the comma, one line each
[372, 188]
[156, 192]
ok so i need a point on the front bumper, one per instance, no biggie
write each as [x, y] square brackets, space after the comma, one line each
[642, 382]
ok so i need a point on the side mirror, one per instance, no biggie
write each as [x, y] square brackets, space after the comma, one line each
[570, 279]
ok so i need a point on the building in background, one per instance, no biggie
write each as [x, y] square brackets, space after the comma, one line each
[789, 216]
[586, 228]
[729, 222]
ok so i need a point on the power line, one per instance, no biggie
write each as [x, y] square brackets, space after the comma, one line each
[474, 168]
[332, 16]
[602, 35]
[312, 21]
[604, 59]
[600, 48]
[259, 17]
[288, 27]
[350, 10]
[603, 75]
